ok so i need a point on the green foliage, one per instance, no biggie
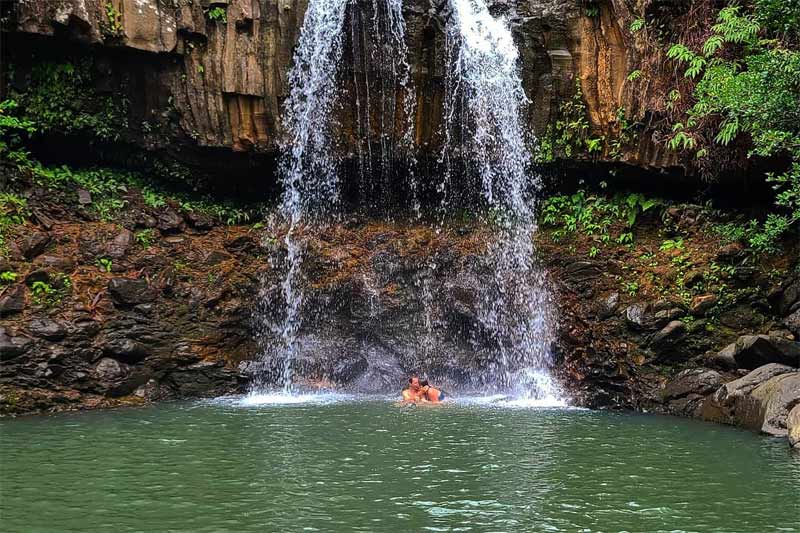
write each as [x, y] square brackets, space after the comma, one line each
[104, 263]
[8, 277]
[752, 89]
[630, 287]
[595, 215]
[13, 211]
[671, 244]
[112, 27]
[49, 295]
[637, 25]
[217, 14]
[634, 75]
[779, 17]
[570, 134]
[145, 237]
[61, 98]
[12, 129]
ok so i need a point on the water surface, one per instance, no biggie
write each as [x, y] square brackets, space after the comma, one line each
[339, 464]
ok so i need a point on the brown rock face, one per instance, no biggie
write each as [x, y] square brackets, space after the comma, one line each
[223, 79]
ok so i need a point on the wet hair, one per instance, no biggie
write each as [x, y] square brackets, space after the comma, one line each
[424, 383]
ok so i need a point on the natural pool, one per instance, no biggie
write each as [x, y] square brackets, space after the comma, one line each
[356, 464]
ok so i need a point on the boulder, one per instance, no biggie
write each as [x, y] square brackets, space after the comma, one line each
[669, 337]
[12, 300]
[753, 351]
[169, 221]
[84, 197]
[730, 252]
[789, 298]
[37, 275]
[11, 347]
[792, 323]
[793, 427]
[724, 359]
[693, 277]
[702, 304]
[685, 393]
[767, 408]
[126, 291]
[730, 402]
[125, 350]
[636, 316]
[609, 306]
[108, 369]
[46, 328]
[119, 246]
[34, 244]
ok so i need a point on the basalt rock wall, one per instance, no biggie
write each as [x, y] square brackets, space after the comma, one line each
[202, 81]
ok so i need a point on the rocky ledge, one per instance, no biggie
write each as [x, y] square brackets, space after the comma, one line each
[668, 315]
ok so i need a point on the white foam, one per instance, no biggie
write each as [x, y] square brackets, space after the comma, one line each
[504, 400]
[281, 398]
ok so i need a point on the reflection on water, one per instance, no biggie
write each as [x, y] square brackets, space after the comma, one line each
[336, 465]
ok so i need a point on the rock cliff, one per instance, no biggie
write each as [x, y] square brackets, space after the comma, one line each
[205, 75]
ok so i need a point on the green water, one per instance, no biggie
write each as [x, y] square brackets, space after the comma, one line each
[370, 466]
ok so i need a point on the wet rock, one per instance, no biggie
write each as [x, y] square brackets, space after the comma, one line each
[665, 341]
[12, 347]
[12, 300]
[636, 316]
[664, 317]
[118, 247]
[582, 271]
[793, 427]
[34, 244]
[788, 299]
[242, 244]
[792, 323]
[200, 221]
[347, 368]
[125, 291]
[724, 359]
[702, 304]
[753, 351]
[609, 306]
[125, 350]
[84, 197]
[215, 257]
[741, 317]
[169, 221]
[767, 408]
[46, 328]
[685, 393]
[693, 277]
[730, 252]
[109, 369]
[56, 262]
[153, 391]
[37, 275]
[729, 403]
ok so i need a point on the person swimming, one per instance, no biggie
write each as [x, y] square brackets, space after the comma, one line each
[411, 392]
[431, 394]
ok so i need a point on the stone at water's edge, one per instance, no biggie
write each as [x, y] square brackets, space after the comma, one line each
[793, 426]
[685, 394]
[752, 351]
[760, 400]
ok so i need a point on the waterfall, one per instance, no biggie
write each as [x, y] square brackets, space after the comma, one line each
[310, 165]
[483, 125]
[309, 171]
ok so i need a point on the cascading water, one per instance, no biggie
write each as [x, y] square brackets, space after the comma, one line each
[310, 168]
[309, 171]
[483, 126]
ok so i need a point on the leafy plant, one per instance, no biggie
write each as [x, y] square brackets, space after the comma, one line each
[48, 295]
[8, 277]
[671, 244]
[104, 263]
[630, 287]
[637, 25]
[112, 27]
[217, 14]
[634, 75]
[145, 237]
